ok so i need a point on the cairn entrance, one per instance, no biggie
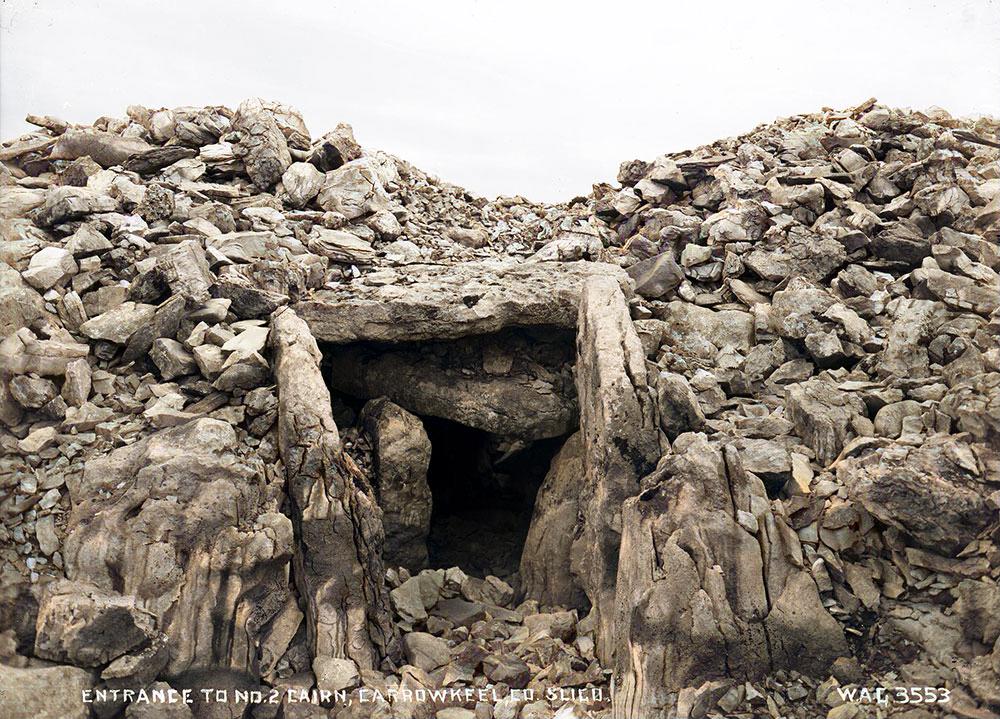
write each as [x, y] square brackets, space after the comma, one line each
[483, 488]
[478, 419]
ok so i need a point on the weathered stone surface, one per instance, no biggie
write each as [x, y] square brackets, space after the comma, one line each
[656, 277]
[177, 522]
[426, 651]
[81, 624]
[620, 442]
[302, 182]
[700, 597]
[20, 305]
[49, 267]
[677, 405]
[23, 352]
[333, 674]
[32, 392]
[455, 301]
[338, 523]
[798, 255]
[118, 324]
[335, 148]
[545, 570]
[76, 386]
[824, 417]
[353, 189]
[936, 493]
[702, 332]
[511, 384]
[185, 269]
[262, 146]
[172, 359]
[401, 452]
[104, 148]
[53, 692]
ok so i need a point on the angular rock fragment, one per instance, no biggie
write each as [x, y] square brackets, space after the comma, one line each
[104, 148]
[354, 189]
[824, 417]
[262, 145]
[936, 493]
[179, 519]
[118, 324]
[52, 692]
[302, 182]
[83, 625]
[49, 267]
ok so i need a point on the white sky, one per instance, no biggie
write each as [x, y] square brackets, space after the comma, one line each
[534, 98]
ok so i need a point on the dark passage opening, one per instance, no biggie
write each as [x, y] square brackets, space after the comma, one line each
[484, 401]
[483, 489]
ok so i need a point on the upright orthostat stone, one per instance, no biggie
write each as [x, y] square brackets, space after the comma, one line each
[402, 454]
[545, 570]
[338, 524]
[620, 441]
[700, 597]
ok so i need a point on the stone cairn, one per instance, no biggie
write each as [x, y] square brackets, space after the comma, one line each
[772, 363]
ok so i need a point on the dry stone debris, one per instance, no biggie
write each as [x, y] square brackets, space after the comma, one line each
[720, 436]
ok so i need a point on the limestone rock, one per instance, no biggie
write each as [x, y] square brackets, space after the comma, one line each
[444, 303]
[426, 651]
[683, 553]
[262, 145]
[49, 267]
[172, 359]
[656, 277]
[936, 493]
[353, 189]
[104, 148]
[678, 408]
[619, 437]
[84, 625]
[174, 518]
[334, 674]
[335, 148]
[401, 454]
[545, 571]
[339, 524]
[32, 392]
[532, 398]
[52, 692]
[302, 182]
[824, 417]
[118, 324]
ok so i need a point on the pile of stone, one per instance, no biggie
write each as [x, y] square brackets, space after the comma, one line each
[781, 475]
[821, 295]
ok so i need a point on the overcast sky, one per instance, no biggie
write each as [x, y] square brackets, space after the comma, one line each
[535, 98]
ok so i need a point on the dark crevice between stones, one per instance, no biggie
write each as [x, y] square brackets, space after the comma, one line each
[484, 489]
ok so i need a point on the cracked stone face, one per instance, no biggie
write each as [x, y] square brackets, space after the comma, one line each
[288, 414]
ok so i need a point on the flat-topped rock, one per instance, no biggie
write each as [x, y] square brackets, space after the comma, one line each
[421, 302]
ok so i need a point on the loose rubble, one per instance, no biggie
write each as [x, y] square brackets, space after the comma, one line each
[749, 392]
